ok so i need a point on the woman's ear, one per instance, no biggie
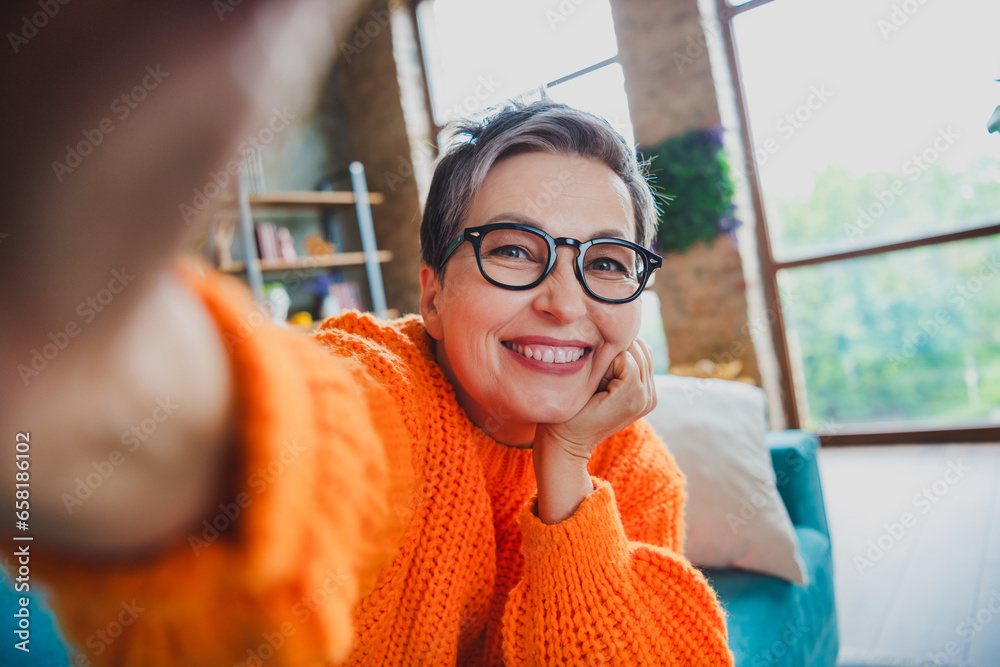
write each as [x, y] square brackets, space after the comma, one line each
[430, 290]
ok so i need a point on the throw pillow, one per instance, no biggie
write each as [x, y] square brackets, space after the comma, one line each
[734, 516]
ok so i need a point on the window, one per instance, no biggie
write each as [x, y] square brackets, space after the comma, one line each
[880, 190]
[528, 44]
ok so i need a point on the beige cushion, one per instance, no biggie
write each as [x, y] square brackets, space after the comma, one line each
[734, 516]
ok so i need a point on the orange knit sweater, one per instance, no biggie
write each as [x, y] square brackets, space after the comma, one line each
[272, 573]
[480, 580]
[475, 578]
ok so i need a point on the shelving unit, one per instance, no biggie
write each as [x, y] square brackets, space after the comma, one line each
[370, 256]
[312, 262]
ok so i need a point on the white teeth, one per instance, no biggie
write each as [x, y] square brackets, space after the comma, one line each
[549, 355]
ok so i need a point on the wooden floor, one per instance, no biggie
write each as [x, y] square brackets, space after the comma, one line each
[916, 547]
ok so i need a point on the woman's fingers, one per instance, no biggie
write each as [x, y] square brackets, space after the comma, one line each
[642, 354]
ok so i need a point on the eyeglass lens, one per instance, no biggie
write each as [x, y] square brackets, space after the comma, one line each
[516, 258]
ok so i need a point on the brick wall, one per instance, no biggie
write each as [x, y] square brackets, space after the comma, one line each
[363, 95]
[668, 79]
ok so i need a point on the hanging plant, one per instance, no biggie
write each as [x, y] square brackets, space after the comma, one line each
[691, 174]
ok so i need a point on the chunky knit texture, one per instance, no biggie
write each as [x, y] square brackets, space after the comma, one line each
[276, 584]
[480, 580]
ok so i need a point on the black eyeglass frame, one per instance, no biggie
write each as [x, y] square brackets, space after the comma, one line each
[474, 235]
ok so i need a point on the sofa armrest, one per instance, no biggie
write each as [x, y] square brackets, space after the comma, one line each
[796, 469]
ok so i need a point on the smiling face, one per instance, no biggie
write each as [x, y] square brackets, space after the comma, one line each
[521, 358]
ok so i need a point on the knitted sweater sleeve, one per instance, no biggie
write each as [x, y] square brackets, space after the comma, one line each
[273, 571]
[609, 584]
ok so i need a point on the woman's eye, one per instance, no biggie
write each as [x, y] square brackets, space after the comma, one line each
[606, 264]
[510, 251]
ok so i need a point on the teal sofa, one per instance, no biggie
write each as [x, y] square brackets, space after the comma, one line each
[773, 622]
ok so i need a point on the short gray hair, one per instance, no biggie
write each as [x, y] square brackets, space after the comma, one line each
[543, 127]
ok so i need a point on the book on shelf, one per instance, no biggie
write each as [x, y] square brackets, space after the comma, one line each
[267, 241]
[286, 245]
[275, 243]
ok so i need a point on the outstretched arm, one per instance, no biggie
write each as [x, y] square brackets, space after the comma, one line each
[96, 331]
[130, 431]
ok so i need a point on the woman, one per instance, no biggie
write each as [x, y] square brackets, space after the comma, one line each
[523, 372]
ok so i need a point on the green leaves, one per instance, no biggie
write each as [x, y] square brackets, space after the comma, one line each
[690, 174]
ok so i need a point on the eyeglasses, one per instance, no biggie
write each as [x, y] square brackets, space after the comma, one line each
[518, 257]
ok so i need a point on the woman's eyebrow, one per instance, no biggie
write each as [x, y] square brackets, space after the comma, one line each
[610, 232]
[514, 217]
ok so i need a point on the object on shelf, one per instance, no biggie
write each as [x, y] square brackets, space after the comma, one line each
[313, 262]
[317, 245]
[336, 295]
[303, 319]
[286, 245]
[267, 241]
[277, 302]
[348, 295]
[225, 229]
[705, 368]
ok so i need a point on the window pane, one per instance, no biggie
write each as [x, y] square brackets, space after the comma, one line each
[480, 52]
[600, 92]
[908, 336]
[869, 119]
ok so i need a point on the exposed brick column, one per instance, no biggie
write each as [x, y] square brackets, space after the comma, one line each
[702, 292]
[365, 86]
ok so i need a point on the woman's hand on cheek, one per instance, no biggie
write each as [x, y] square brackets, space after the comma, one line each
[562, 451]
[625, 394]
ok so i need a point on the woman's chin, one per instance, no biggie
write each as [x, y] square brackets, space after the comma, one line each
[539, 413]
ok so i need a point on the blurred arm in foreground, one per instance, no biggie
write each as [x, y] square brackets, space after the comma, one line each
[142, 419]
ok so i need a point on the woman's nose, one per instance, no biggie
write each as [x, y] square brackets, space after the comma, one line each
[561, 295]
